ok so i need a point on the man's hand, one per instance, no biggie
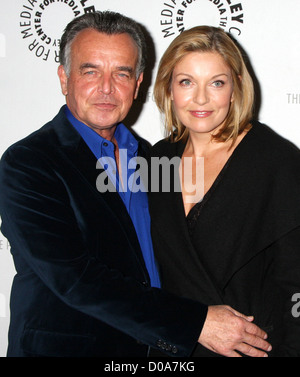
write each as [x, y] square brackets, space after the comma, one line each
[226, 331]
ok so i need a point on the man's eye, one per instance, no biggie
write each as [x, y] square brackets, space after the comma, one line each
[123, 75]
[89, 73]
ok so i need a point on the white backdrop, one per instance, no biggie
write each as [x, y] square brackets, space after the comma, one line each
[268, 31]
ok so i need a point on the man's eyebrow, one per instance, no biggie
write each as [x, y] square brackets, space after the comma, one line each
[121, 68]
[125, 69]
[87, 65]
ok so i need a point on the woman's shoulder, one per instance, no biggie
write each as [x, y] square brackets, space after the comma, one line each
[267, 141]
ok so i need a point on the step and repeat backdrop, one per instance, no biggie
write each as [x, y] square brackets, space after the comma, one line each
[30, 31]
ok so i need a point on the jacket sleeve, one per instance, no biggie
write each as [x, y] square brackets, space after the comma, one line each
[38, 219]
[287, 275]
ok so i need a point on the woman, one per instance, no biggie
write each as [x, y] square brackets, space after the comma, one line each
[239, 243]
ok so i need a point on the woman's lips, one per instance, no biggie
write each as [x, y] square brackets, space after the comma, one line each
[201, 114]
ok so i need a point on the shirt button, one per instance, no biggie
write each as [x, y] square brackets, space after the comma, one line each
[105, 144]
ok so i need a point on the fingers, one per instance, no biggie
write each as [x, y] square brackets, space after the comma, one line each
[257, 342]
[253, 341]
[233, 334]
[254, 336]
[238, 314]
[247, 350]
[233, 354]
[251, 328]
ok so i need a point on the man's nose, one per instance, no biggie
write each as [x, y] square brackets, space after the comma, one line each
[106, 85]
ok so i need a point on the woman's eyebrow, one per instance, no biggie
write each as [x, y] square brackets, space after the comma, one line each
[188, 75]
[221, 74]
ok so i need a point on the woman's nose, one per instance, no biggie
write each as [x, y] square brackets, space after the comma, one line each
[201, 96]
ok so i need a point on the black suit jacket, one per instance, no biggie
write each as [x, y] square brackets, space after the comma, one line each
[81, 287]
[241, 246]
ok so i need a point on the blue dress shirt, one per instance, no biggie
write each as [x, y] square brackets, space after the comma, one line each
[136, 202]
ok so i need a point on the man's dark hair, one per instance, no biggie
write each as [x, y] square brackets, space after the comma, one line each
[105, 22]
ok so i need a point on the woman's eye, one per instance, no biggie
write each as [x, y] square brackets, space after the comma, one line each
[185, 82]
[218, 84]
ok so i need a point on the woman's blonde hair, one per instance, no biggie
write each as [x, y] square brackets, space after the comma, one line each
[206, 39]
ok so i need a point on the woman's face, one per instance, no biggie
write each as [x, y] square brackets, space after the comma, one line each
[202, 91]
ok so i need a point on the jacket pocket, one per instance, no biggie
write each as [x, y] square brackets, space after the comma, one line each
[51, 344]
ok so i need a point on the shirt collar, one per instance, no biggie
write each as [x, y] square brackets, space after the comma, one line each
[96, 142]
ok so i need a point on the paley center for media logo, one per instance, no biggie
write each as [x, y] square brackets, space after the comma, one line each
[42, 23]
[178, 15]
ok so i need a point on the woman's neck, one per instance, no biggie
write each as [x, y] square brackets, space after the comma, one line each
[203, 145]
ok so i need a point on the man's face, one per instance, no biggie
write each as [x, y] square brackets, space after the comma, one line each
[102, 83]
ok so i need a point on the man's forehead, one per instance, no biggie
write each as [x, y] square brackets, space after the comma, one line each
[92, 35]
[95, 50]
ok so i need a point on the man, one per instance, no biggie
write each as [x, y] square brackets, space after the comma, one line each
[86, 282]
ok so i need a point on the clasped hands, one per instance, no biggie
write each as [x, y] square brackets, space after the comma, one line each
[230, 333]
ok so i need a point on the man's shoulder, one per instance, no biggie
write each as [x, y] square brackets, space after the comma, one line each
[40, 137]
[37, 142]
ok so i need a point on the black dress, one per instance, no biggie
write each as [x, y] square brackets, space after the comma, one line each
[241, 245]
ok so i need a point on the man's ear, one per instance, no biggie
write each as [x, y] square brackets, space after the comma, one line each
[63, 78]
[138, 84]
